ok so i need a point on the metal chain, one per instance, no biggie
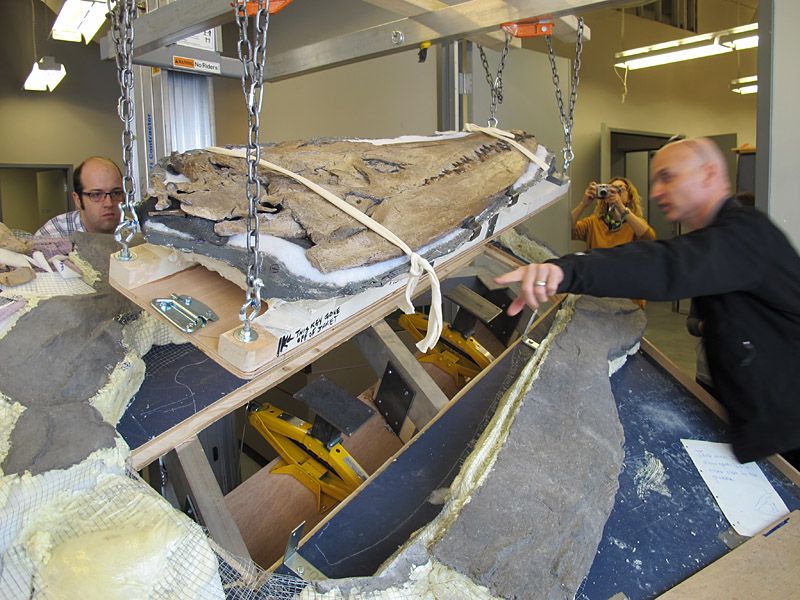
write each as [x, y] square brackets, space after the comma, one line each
[123, 12]
[253, 60]
[496, 84]
[567, 120]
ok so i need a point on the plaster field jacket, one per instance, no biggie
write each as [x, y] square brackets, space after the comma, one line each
[744, 275]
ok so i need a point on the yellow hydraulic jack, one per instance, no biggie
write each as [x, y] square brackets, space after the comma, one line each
[469, 360]
[332, 475]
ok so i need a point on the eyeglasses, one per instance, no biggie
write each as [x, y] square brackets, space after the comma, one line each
[97, 196]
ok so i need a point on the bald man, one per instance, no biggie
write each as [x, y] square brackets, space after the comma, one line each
[743, 274]
[98, 191]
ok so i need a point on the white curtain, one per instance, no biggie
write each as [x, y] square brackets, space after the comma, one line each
[191, 110]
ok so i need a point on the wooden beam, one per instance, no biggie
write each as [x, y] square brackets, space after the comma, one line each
[190, 475]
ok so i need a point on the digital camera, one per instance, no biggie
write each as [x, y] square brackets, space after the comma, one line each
[604, 189]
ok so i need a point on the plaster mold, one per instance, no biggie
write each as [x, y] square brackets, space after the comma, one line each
[522, 519]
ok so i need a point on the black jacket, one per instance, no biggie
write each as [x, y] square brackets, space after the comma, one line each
[744, 276]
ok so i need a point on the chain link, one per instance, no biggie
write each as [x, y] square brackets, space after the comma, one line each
[123, 12]
[567, 119]
[496, 84]
[253, 60]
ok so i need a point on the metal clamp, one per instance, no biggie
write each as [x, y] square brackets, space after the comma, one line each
[186, 313]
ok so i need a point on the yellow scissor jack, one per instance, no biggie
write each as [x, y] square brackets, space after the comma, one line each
[332, 475]
[469, 360]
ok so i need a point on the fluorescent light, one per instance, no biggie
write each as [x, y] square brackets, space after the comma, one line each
[740, 38]
[744, 43]
[79, 19]
[45, 75]
[745, 85]
[708, 44]
[674, 56]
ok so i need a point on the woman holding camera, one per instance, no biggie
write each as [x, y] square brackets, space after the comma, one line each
[617, 218]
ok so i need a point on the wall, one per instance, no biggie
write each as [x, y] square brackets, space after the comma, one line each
[383, 97]
[75, 121]
[776, 169]
[690, 98]
[529, 104]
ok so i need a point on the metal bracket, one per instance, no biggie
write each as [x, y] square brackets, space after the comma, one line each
[732, 539]
[186, 313]
[474, 227]
[553, 176]
[491, 226]
[296, 563]
[465, 83]
[526, 339]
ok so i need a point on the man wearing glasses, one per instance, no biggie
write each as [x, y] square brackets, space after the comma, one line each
[98, 193]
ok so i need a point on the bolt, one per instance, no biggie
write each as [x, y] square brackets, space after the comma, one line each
[398, 37]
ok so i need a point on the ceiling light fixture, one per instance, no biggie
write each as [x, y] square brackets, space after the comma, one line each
[745, 85]
[707, 44]
[79, 19]
[45, 75]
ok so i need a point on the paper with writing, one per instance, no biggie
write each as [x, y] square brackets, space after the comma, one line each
[742, 491]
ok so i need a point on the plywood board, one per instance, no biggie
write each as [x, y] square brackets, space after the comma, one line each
[764, 567]
[268, 506]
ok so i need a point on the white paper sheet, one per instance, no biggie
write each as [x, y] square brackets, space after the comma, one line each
[15, 259]
[742, 491]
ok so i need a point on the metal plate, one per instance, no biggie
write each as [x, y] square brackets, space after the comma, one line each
[335, 404]
[394, 398]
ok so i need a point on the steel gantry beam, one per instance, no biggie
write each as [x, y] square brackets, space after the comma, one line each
[181, 18]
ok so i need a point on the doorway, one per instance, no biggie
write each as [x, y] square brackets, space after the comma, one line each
[628, 153]
[30, 195]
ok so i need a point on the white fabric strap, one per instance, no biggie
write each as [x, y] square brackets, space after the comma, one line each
[508, 137]
[418, 264]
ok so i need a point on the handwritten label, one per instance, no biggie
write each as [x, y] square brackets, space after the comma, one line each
[303, 334]
[742, 491]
